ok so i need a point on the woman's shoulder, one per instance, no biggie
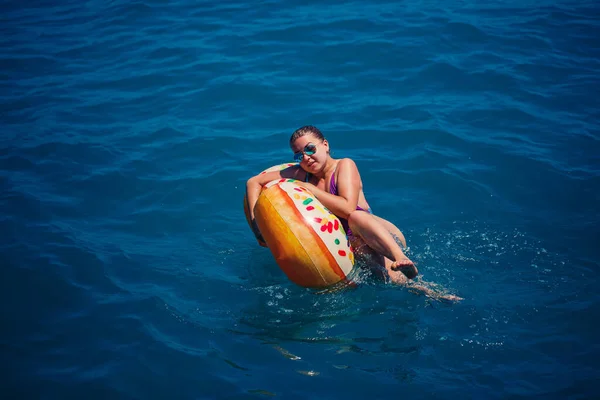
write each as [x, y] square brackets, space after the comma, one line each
[346, 163]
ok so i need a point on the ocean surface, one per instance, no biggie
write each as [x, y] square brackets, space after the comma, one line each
[128, 131]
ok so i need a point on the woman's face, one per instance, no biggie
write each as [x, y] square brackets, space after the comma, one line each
[311, 152]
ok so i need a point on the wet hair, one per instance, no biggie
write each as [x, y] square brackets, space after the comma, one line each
[307, 130]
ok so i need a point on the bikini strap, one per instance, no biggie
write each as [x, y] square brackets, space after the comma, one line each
[332, 184]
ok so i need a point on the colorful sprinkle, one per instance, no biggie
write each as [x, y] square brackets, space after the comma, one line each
[307, 201]
[336, 225]
[318, 220]
[310, 208]
[342, 253]
[337, 241]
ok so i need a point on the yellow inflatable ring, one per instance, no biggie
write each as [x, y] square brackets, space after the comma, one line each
[307, 241]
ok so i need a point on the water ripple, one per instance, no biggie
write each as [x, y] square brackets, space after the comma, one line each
[130, 128]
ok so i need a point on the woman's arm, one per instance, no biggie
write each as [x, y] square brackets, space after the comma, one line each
[254, 185]
[253, 188]
[349, 186]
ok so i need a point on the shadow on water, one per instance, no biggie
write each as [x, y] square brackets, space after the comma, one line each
[328, 331]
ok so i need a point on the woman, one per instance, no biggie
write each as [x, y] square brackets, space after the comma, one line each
[338, 186]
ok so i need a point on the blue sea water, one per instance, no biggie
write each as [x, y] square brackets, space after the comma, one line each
[129, 129]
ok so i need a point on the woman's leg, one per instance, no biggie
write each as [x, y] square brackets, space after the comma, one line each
[377, 237]
[393, 229]
[376, 262]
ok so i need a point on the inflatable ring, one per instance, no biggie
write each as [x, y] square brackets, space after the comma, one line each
[307, 240]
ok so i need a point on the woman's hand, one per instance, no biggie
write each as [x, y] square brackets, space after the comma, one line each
[306, 185]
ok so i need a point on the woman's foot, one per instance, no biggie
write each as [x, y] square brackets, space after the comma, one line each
[406, 266]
